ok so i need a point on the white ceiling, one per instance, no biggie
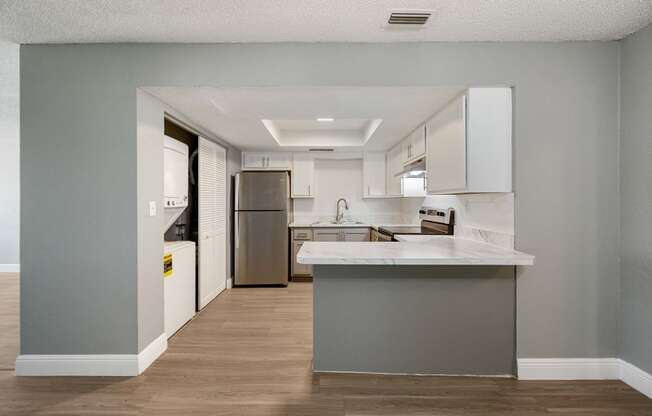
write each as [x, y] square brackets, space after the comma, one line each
[73, 21]
[338, 132]
[236, 114]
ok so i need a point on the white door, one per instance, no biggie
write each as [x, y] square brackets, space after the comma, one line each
[212, 221]
[446, 147]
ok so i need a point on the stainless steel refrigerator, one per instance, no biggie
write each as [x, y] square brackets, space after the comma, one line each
[262, 212]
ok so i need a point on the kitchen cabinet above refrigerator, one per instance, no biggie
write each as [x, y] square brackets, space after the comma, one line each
[266, 161]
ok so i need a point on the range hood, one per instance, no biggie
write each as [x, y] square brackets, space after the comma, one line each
[416, 169]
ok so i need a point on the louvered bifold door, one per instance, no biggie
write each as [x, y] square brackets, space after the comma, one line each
[212, 221]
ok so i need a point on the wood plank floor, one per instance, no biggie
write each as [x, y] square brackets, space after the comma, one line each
[249, 353]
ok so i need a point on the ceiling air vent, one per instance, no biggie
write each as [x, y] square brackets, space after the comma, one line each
[412, 18]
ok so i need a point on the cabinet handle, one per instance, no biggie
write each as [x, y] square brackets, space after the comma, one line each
[369, 190]
[309, 190]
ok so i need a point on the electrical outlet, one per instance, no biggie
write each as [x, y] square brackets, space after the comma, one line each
[152, 208]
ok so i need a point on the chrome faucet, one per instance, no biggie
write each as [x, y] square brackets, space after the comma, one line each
[339, 216]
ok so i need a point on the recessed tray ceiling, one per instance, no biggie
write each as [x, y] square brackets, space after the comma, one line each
[275, 118]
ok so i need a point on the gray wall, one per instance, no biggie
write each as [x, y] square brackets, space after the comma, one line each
[150, 128]
[636, 199]
[9, 156]
[150, 121]
[80, 156]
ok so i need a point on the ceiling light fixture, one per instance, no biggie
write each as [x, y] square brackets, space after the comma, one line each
[325, 119]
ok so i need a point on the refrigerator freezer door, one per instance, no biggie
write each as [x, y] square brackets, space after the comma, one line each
[261, 247]
[262, 191]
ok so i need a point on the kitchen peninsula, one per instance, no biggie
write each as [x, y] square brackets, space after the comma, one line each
[423, 305]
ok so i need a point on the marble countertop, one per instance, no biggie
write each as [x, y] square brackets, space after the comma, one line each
[413, 250]
[299, 224]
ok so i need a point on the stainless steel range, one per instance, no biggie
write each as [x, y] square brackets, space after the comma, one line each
[434, 221]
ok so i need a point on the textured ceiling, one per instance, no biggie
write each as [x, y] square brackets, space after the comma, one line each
[72, 21]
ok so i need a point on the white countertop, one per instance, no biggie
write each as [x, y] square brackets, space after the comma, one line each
[299, 224]
[412, 250]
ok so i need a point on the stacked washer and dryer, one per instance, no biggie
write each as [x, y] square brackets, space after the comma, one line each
[179, 257]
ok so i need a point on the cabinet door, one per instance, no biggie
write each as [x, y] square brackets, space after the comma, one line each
[254, 160]
[446, 146]
[297, 268]
[489, 139]
[327, 235]
[373, 174]
[406, 149]
[418, 141]
[303, 173]
[356, 235]
[278, 160]
[394, 165]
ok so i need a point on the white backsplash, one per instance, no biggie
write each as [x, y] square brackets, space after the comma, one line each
[342, 178]
[482, 217]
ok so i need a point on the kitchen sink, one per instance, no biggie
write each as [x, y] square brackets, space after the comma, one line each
[338, 223]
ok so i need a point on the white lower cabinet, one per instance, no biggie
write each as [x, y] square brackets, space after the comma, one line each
[327, 234]
[341, 234]
[469, 144]
[299, 269]
[300, 236]
[356, 234]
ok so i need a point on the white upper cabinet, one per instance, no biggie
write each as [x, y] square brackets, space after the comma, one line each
[469, 144]
[414, 145]
[303, 175]
[373, 174]
[266, 160]
[394, 166]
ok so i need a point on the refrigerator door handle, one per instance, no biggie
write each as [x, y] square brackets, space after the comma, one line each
[236, 187]
[236, 230]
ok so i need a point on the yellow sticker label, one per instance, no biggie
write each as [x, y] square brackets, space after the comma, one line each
[167, 265]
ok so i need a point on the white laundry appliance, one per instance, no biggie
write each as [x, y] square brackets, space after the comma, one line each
[179, 284]
[175, 180]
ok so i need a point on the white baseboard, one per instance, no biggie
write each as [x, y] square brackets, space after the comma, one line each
[92, 364]
[568, 368]
[229, 283]
[151, 352]
[9, 268]
[585, 369]
[636, 378]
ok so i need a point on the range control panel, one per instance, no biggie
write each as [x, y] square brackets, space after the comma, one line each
[442, 216]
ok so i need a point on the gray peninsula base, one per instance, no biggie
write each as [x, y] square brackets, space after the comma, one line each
[414, 319]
